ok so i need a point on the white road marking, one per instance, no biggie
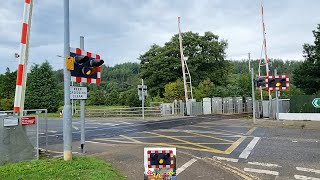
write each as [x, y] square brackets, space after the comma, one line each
[75, 127]
[308, 170]
[225, 159]
[123, 122]
[261, 171]
[246, 152]
[305, 177]
[264, 164]
[52, 131]
[185, 166]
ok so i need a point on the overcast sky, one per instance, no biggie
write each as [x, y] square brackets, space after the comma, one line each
[121, 30]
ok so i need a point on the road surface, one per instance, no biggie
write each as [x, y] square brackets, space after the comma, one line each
[240, 147]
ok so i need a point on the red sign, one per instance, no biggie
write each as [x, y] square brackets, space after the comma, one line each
[28, 120]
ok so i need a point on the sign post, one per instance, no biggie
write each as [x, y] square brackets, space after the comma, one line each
[87, 69]
[82, 107]
[316, 102]
[277, 97]
[253, 97]
[142, 99]
[142, 92]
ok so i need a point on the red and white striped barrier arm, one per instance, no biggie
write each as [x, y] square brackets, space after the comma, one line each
[24, 45]
[265, 40]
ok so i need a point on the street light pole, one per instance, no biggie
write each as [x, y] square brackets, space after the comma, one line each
[67, 118]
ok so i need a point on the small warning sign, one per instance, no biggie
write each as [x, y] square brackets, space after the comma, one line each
[78, 92]
[159, 163]
[28, 120]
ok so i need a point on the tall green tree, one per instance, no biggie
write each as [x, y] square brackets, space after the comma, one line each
[206, 59]
[204, 89]
[307, 76]
[41, 90]
[97, 97]
[174, 91]
[130, 98]
[7, 89]
[8, 84]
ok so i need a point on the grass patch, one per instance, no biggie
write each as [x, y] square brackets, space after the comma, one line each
[81, 167]
[56, 115]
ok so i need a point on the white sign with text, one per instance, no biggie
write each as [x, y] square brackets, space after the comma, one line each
[78, 92]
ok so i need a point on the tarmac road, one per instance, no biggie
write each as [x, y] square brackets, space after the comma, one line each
[251, 151]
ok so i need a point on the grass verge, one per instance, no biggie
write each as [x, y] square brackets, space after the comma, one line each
[81, 167]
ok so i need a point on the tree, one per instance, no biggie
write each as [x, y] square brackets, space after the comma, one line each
[161, 65]
[97, 97]
[130, 98]
[123, 74]
[6, 104]
[7, 89]
[41, 90]
[8, 84]
[174, 91]
[204, 89]
[307, 75]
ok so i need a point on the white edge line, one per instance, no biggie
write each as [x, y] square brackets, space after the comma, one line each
[246, 152]
[305, 177]
[225, 159]
[185, 166]
[75, 127]
[261, 171]
[308, 170]
[264, 164]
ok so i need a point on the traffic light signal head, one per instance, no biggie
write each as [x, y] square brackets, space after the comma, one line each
[160, 159]
[80, 59]
[272, 82]
[260, 81]
[277, 82]
[86, 66]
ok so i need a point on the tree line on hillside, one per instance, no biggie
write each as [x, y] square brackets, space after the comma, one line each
[160, 67]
